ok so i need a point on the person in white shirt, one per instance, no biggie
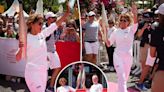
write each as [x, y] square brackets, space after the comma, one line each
[110, 50]
[123, 37]
[96, 87]
[53, 57]
[37, 64]
[64, 87]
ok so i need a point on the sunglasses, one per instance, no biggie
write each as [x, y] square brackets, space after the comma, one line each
[110, 23]
[123, 20]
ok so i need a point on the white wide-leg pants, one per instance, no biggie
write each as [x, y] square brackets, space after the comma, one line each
[36, 77]
[122, 64]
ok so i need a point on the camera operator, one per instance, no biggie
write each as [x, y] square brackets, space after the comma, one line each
[144, 34]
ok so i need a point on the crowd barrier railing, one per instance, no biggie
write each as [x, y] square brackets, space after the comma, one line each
[68, 52]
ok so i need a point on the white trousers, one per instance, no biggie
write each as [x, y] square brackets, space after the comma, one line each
[36, 77]
[122, 64]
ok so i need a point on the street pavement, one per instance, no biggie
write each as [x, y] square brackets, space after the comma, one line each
[111, 76]
[9, 86]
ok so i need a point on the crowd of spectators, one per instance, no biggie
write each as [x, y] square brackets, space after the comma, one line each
[8, 26]
[148, 21]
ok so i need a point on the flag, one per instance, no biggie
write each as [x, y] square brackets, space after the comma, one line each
[22, 31]
[71, 49]
[39, 7]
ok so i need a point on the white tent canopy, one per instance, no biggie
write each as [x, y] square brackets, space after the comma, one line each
[143, 2]
[39, 7]
[14, 8]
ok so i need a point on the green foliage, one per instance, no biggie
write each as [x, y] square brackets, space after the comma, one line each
[55, 8]
[2, 2]
[31, 4]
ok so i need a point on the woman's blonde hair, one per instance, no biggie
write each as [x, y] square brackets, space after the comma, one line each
[62, 79]
[33, 19]
[128, 17]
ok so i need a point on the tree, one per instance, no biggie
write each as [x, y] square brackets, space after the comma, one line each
[9, 3]
[31, 4]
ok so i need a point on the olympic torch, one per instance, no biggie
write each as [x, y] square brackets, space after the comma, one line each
[22, 30]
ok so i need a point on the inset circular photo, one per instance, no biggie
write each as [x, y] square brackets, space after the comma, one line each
[81, 76]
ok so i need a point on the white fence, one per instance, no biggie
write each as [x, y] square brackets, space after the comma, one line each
[136, 46]
[136, 58]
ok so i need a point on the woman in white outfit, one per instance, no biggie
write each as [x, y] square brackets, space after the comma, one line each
[36, 67]
[64, 87]
[123, 38]
[96, 87]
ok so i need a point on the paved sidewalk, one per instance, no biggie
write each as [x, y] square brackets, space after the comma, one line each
[8, 86]
[131, 82]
